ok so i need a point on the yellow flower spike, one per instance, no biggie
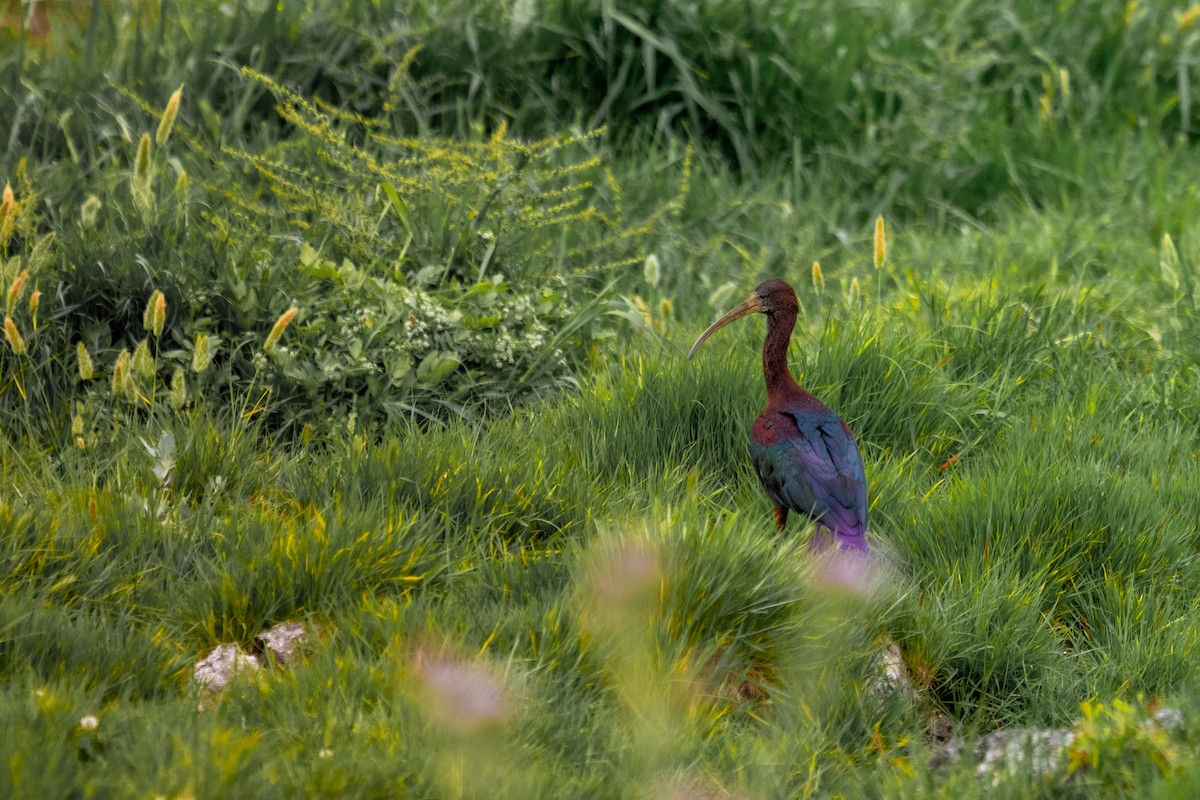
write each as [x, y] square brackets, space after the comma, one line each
[87, 370]
[278, 328]
[118, 374]
[143, 362]
[14, 292]
[155, 314]
[89, 211]
[818, 278]
[141, 164]
[35, 300]
[880, 243]
[8, 214]
[142, 183]
[202, 355]
[122, 377]
[651, 270]
[178, 394]
[13, 336]
[168, 118]
[160, 314]
[855, 291]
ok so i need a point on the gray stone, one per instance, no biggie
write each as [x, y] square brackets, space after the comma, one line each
[1038, 750]
[214, 672]
[284, 641]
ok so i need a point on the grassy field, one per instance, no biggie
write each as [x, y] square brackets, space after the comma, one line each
[373, 315]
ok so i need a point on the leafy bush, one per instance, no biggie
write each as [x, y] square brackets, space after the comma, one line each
[428, 275]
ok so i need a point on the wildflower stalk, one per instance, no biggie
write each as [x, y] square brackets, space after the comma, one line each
[142, 182]
[278, 328]
[651, 271]
[87, 370]
[8, 215]
[168, 118]
[13, 336]
[14, 292]
[77, 426]
[155, 314]
[178, 393]
[202, 353]
[122, 377]
[143, 362]
[880, 258]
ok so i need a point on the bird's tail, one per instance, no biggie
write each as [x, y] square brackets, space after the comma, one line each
[823, 538]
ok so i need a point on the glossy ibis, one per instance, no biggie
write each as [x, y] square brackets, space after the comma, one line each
[804, 453]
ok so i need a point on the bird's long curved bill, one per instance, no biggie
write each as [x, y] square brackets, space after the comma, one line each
[751, 305]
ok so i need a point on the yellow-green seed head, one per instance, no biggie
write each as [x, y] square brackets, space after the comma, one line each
[278, 328]
[160, 314]
[178, 394]
[120, 366]
[818, 278]
[13, 336]
[35, 300]
[141, 164]
[168, 118]
[14, 292]
[89, 211]
[155, 315]
[122, 377]
[651, 270]
[8, 214]
[855, 291]
[880, 243]
[77, 424]
[181, 186]
[87, 370]
[143, 362]
[202, 354]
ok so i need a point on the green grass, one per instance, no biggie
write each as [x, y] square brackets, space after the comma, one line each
[523, 527]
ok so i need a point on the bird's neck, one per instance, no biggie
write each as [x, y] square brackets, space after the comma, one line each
[775, 369]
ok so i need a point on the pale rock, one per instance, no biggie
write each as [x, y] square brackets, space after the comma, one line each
[214, 672]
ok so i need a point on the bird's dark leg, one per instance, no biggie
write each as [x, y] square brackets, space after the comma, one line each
[780, 517]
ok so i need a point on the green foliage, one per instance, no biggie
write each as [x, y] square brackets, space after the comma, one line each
[1117, 747]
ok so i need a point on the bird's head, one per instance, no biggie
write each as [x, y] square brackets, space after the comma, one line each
[770, 298]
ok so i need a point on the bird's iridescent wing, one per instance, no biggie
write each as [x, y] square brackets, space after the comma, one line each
[812, 465]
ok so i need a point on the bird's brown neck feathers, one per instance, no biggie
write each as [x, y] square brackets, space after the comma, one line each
[780, 382]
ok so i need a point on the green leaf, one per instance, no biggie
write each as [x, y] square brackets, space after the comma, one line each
[436, 367]
[398, 206]
[307, 254]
